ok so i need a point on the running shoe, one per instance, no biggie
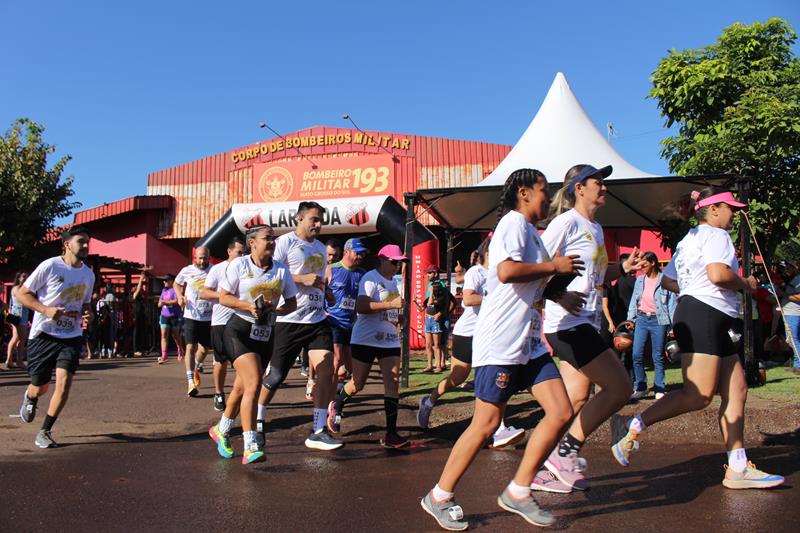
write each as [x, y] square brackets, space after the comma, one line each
[527, 508]
[623, 440]
[508, 436]
[219, 402]
[334, 420]
[162, 359]
[448, 514]
[180, 356]
[45, 440]
[394, 441]
[200, 368]
[424, 413]
[323, 441]
[223, 442]
[310, 384]
[659, 395]
[253, 454]
[196, 377]
[304, 371]
[261, 433]
[192, 391]
[639, 394]
[546, 481]
[751, 478]
[27, 412]
[569, 470]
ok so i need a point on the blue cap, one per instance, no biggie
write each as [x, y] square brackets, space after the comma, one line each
[356, 245]
[589, 172]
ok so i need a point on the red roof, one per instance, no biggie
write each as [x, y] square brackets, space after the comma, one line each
[119, 207]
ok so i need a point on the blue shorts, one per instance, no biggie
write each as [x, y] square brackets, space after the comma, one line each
[498, 383]
[432, 325]
[341, 335]
[170, 322]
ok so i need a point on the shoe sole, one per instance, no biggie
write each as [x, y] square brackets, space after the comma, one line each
[316, 445]
[556, 472]
[510, 441]
[259, 459]
[751, 484]
[443, 526]
[192, 393]
[523, 515]
[394, 446]
[545, 488]
[618, 457]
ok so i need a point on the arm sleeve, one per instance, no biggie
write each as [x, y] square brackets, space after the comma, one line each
[718, 249]
[87, 299]
[231, 280]
[366, 287]
[281, 250]
[180, 279]
[511, 238]
[213, 278]
[38, 278]
[671, 271]
[471, 279]
[555, 236]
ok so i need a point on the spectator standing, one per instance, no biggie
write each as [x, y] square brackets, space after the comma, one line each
[790, 302]
[18, 318]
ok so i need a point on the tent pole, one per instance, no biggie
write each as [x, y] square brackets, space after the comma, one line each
[408, 295]
[751, 370]
[448, 262]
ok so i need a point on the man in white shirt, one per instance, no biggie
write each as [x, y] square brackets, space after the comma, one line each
[60, 292]
[196, 316]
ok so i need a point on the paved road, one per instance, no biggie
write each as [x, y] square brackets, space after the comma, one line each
[136, 457]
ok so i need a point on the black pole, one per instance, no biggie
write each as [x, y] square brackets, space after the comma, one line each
[407, 290]
[751, 370]
[449, 256]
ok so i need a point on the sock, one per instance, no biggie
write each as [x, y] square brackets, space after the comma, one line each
[34, 401]
[249, 438]
[163, 354]
[636, 424]
[341, 399]
[737, 460]
[569, 445]
[262, 412]
[501, 427]
[225, 424]
[518, 492]
[47, 425]
[320, 416]
[390, 405]
[441, 495]
[190, 377]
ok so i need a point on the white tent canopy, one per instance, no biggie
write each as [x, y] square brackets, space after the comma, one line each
[560, 136]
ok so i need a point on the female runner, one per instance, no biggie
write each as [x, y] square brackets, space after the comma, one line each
[704, 270]
[509, 355]
[253, 285]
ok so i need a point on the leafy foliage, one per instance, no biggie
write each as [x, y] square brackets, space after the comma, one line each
[737, 107]
[34, 196]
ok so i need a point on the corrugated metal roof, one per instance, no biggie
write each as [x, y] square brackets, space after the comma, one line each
[206, 188]
[126, 205]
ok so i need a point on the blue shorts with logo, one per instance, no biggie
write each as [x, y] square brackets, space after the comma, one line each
[498, 383]
[432, 325]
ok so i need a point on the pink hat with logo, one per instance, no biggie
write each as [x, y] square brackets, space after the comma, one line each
[391, 252]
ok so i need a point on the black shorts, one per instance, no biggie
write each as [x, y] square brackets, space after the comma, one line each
[578, 346]
[462, 349]
[700, 328]
[197, 331]
[237, 341]
[13, 319]
[46, 352]
[341, 335]
[367, 354]
[218, 343]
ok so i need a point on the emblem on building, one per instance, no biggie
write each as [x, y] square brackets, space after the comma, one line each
[275, 184]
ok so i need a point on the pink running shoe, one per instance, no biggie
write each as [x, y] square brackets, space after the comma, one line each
[569, 470]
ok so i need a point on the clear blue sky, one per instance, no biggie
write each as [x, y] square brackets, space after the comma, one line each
[129, 88]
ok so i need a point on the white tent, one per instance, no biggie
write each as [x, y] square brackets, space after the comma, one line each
[559, 136]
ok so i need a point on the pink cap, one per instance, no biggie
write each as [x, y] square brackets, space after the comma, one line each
[391, 252]
[432, 268]
[725, 197]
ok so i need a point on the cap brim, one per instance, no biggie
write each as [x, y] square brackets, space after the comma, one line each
[604, 172]
[737, 205]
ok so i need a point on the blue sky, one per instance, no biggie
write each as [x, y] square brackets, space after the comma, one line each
[129, 88]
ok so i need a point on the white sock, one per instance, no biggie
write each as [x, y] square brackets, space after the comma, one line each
[737, 460]
[320, 417]
[441, 495]
[636, 424]
[190, 377]
[262, 412]
[517, 491]
[501, 427]
[225, 424]
[249, 437]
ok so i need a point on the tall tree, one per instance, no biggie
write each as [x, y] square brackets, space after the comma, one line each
[737, 107]
[34, 194]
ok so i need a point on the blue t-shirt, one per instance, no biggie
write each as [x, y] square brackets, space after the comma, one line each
[344, 284]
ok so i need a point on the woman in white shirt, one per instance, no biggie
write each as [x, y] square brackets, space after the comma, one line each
[509, 355]
[572, 325]
[704, 270]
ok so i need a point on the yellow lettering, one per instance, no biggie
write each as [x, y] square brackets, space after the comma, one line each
[384, 141]
[320, 140]
[234, 157]
[263, 149]
[347, 138]
[330, 139]
[304, 142]
[395, 143]
[280, 145]
[359, 138]
[312, 141]
[371, 141]
[306, 186]
[405, 144]
[339, 138]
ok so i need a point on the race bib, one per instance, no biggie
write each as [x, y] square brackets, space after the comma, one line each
[64, 324]
[348, 304]
[315, 300]
[260, 333]
[203, 306]
[392, 316]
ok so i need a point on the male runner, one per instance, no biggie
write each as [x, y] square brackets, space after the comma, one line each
[196, 316]
[60, 292]
[219, 317]
[307, 327]
[342, 279]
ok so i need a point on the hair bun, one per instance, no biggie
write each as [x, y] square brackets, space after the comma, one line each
[695, 195]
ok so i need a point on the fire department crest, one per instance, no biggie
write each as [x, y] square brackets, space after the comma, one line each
[275, 184]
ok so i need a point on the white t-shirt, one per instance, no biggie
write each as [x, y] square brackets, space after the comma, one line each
[474, 280]
[194, 278]
[219, 314]
[573, 234]
[56, 284]
[245, 280]
[377, 329]
[509, 327]
[700, 247]
[303, 257]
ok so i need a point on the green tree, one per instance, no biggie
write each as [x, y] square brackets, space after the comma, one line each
[737, 107]
[33, 195]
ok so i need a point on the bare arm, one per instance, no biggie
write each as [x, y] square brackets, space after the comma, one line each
[181, 299]
[365, 305]
[670, 284]
[510, 271]
[470, 299]
[721, 275]
[209, 294]
[29, 300]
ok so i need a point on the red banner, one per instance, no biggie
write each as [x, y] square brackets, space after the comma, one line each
[334, 177]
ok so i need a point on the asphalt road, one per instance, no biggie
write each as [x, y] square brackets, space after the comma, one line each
[135, 456]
